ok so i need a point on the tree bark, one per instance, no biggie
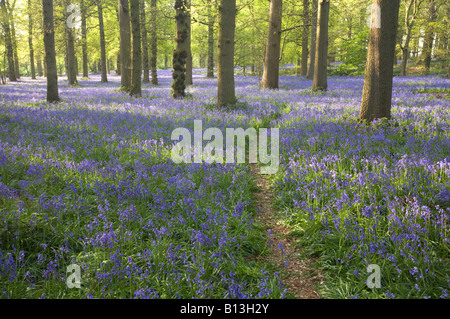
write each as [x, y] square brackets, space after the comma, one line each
[377, 90]
[8, 42]
[180, 52]
[305, 31]
[312, 52]
[272, 59]
[50, 55]
[189, 51]
[210, 70]
[118, 65]
[145, 62]
[39, 65]
[14, 41]
[125, 45]
[30, 41]
[137, 58]
[154, 42]
[84, 52]
[226, 94]
[104, 77]
[71, 61]
[429, 37]
[320, 67]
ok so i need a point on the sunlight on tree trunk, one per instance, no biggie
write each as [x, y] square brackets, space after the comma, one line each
[377, 90]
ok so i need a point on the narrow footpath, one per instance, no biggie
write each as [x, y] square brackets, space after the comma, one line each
[296, 273]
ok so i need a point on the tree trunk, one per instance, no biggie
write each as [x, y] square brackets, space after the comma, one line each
[50, 55]
[104, 77]
[71, 62]
[405, 55]
[8, 42]
[320, 71]
[118, 69]
[312, 52]
[304, 65]
[30, 40]
[125, 45]
[39, 65]
[153, 42]
[14, 44]
[210, 71]
[429, 37]
[377, 90]
[226, 93]
[145, 64]
[189, 51]
[180, 52]
[84, 51]
[272, 58]
[408, 25]
[137, 58]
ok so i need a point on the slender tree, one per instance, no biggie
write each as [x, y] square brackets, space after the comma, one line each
[125, 45]
[377, 90]
[189, 51]
[410, 19]
[429, 36]
[226, 94]
[71, 64]
[154, 42]
[211, 18]
[320, 71]
[8, 42]
[180, 52]
[13, 38]
[104, 77]
[312, 51]
[39, 65]
[84, 50]
[50, 55]
[272, 57]
[145, 61]
[30, 40]
[137, 58]
[305, 31]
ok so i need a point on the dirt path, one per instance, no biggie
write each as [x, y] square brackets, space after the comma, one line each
[297, 274]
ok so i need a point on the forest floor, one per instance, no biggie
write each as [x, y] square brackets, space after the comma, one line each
[299, 274]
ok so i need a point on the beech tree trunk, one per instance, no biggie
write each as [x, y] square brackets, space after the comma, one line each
[320, 71]
[180, 52]
[429, 37]
[39, 65]
[210, 70]
[137, 58]
[71, 62]
[189, 51]
[102, 41]
[125, 45]
[272, 58]
[8, 42]
[145, 64]
[50, 55]
[377, 90]
[84, 51]
[153, 42]
[14, 42]
[305, 31]
[226, 94]
[30, 40]
[312, 51]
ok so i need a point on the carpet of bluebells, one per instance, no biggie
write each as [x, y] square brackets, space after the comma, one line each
[90, 181]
